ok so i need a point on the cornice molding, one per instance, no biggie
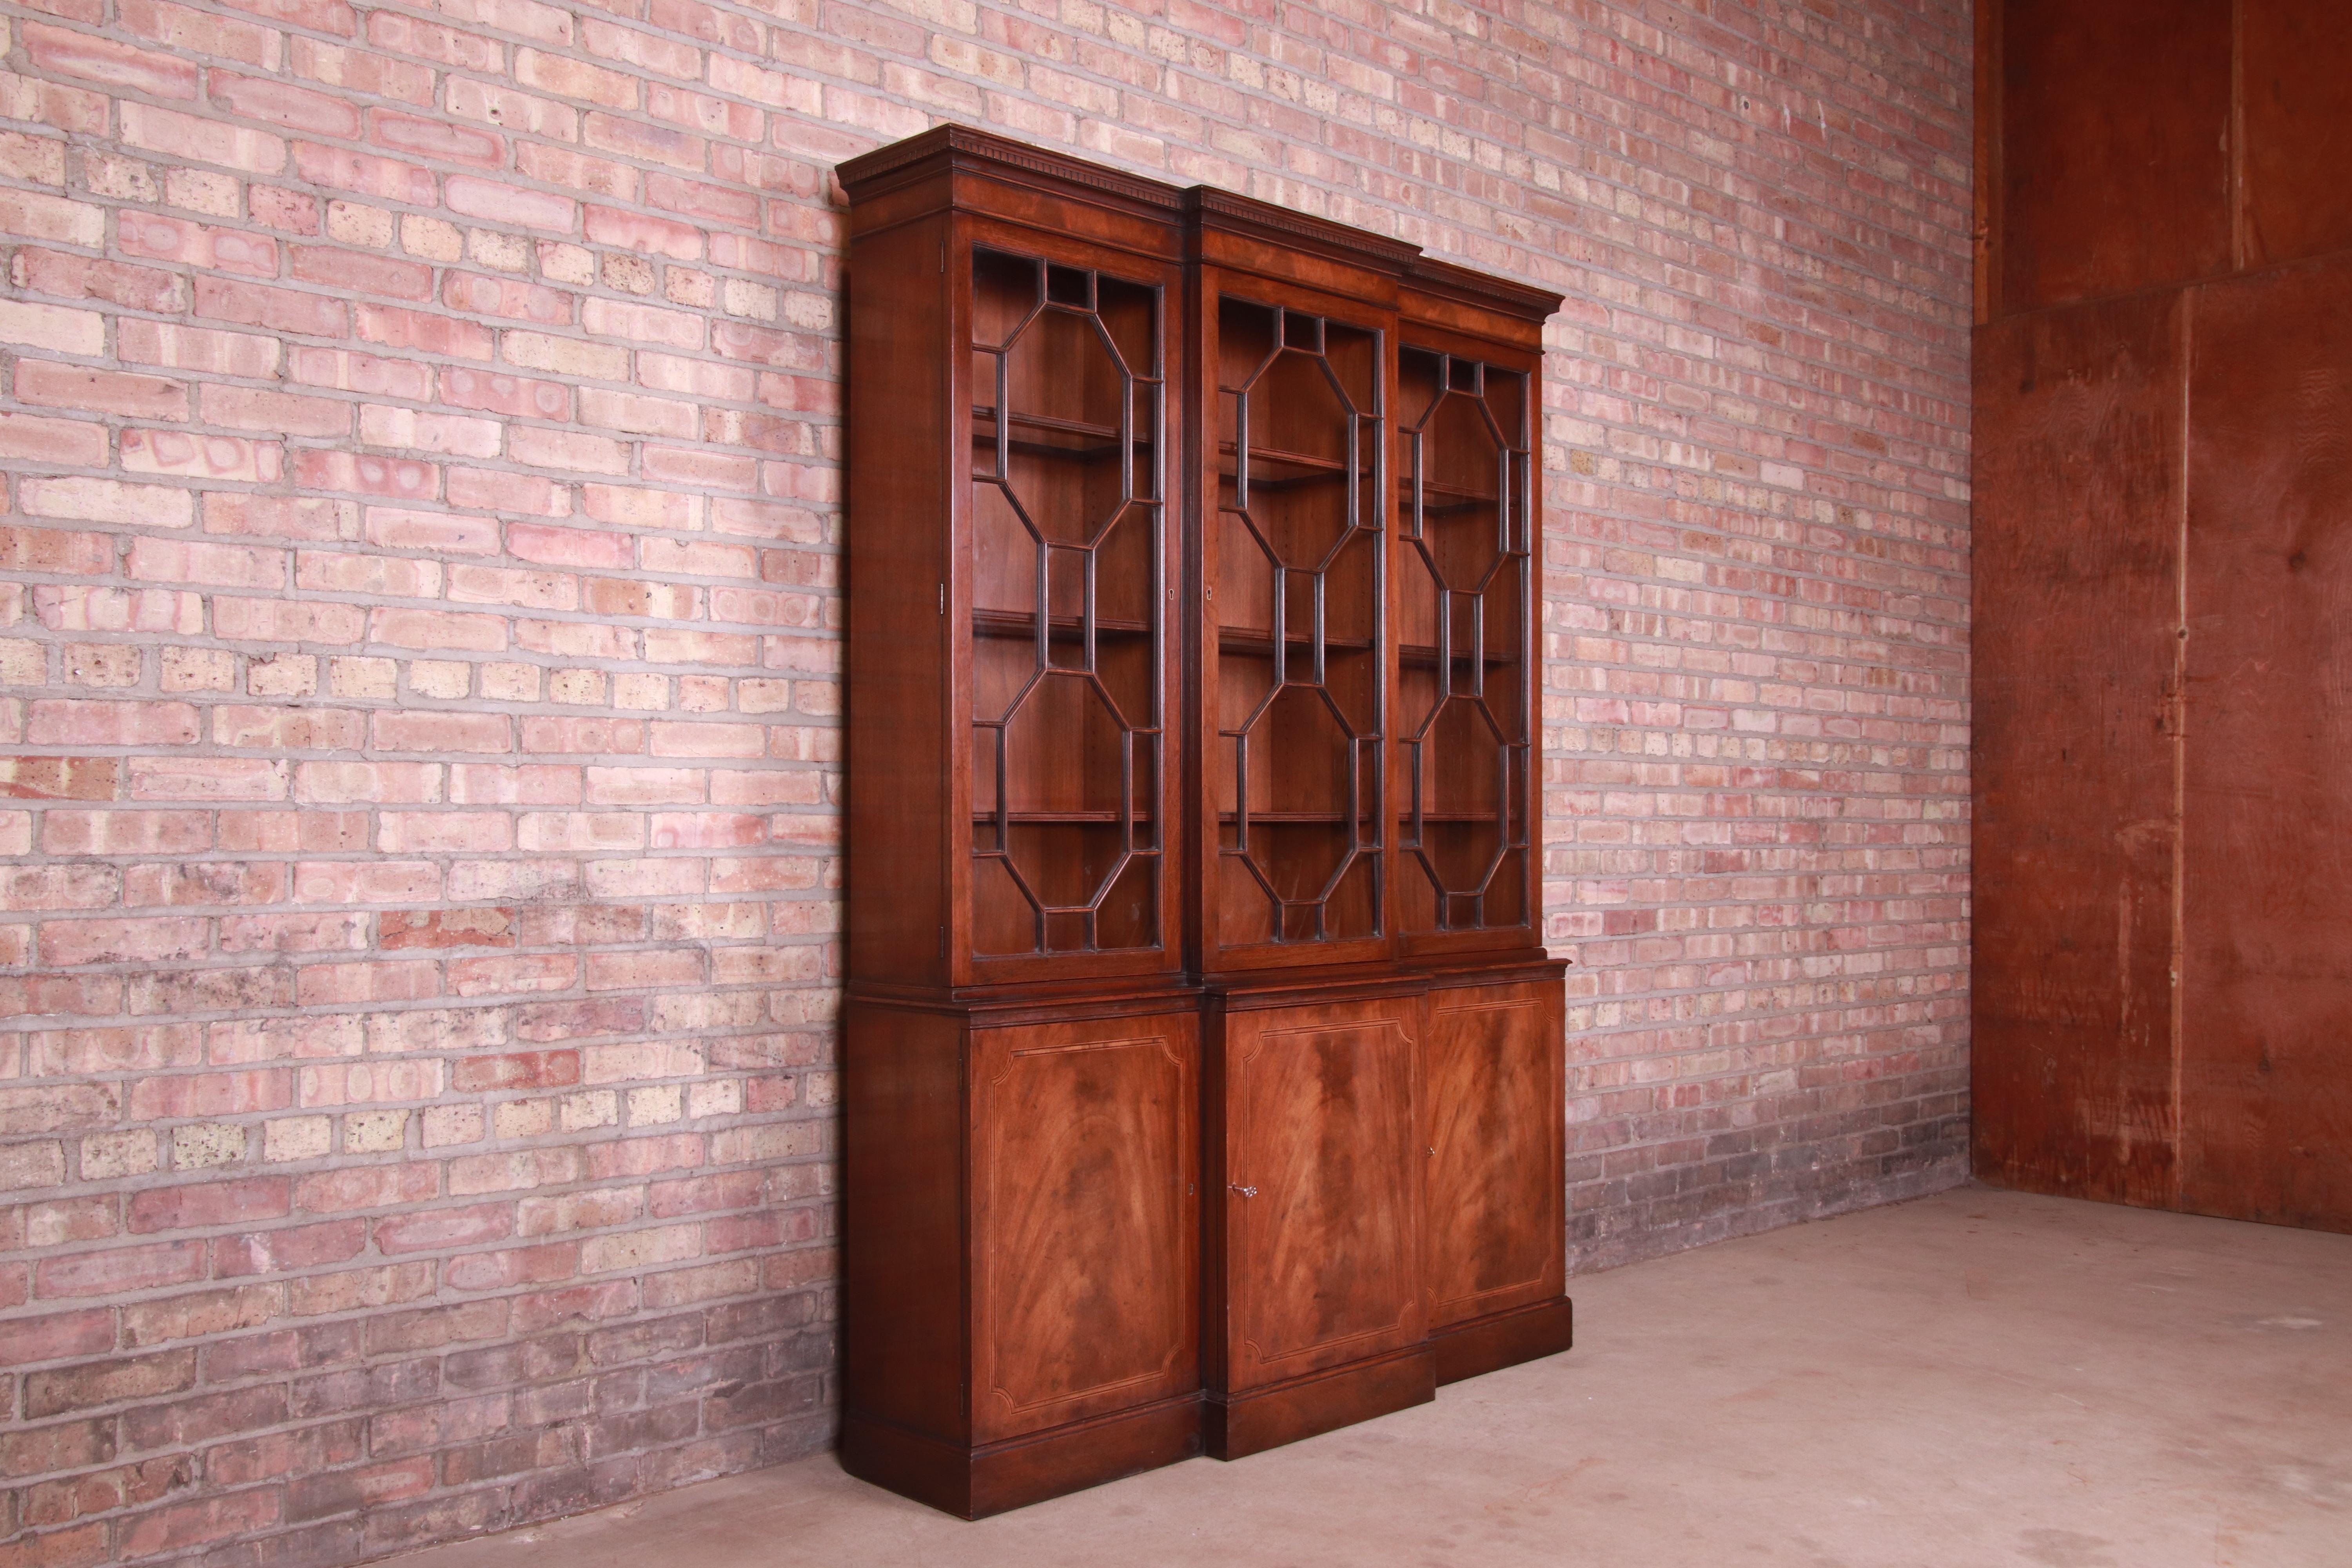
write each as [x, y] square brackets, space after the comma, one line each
[965, 146]
[1506, 294]
[1222, 209]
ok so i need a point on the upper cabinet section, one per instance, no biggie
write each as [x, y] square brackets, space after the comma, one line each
[1067, 578]
[1294, 644]
[1015, 678]
[1191, 581]
[1465, 573]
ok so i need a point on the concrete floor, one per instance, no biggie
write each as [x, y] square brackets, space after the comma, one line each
[1975, 1378]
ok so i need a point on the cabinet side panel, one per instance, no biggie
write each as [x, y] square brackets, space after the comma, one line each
[2266, 983]
[903, 1314]
[1084, 1265]
[2077, 555]
[1492, 1088]
[1322, 1205]
[900, 790]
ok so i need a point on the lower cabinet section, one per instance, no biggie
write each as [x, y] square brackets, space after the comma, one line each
[1494, 1092]
[1322, 1196]
[1080, 1242]
[1084, 1229]
[1020, 1250]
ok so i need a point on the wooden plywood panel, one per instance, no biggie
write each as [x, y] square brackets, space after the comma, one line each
[2114, 157]
[1492, 1084]
[1084, 1229]
[1323, 1206]
[2267, 949]
[2078, 512]
[2296, 78]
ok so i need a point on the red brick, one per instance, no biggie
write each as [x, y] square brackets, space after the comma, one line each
[29, 438]
[102, 391]
[184, 1422]
[365, 173]
[194, 32]
[362, 273]
[434, 1230]
[343, 1492]
[103, 59]
[195, 1523]
[280, 310]
[87, 277]
[252, 408]
[367, 1187]
[205, 141]
[437, 139]
[74, 1547]
[169, 238]
[296, 1247]
[107, 1382]
[55, 1337]
[211, 1094]
[295, 108]
[431, 41]
[211, 1204]
[425, 331]
[70, 722]
[318, 16]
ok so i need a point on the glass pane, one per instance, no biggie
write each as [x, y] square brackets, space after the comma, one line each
[1464, 575]
[1300, 607]
[1068, 397]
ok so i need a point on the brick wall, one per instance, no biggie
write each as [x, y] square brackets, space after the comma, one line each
[418, 564]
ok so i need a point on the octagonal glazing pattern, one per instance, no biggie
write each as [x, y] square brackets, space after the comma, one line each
[1464, 566]
[1068, 527]
[1298, 607]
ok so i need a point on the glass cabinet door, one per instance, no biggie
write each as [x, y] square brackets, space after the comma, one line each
[1297, 605]
[1067, 587]
[1464, 589]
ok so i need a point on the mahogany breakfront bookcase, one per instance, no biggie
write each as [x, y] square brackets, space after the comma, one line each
[1202, 1067]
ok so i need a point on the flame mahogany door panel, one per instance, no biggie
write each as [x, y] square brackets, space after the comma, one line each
[1323, 1195]
[1492, 1085]
[1083, 1256]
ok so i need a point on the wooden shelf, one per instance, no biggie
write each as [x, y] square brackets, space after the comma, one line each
[1021, 626]
[1438, 487]
[1309, 470]
[1059, 818]
[1080, 438]
[1423, 656]
[1295, 818]
[1251, 643]
[1490, 818]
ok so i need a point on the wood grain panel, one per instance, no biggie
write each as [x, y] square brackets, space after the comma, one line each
[2114, 172]
[903, 1320]
[2075, 639]
[2295, 86]
[1084, 1264]
[1492, 1088]
[1323, 1206]
[2267, 950]
[899, 662]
